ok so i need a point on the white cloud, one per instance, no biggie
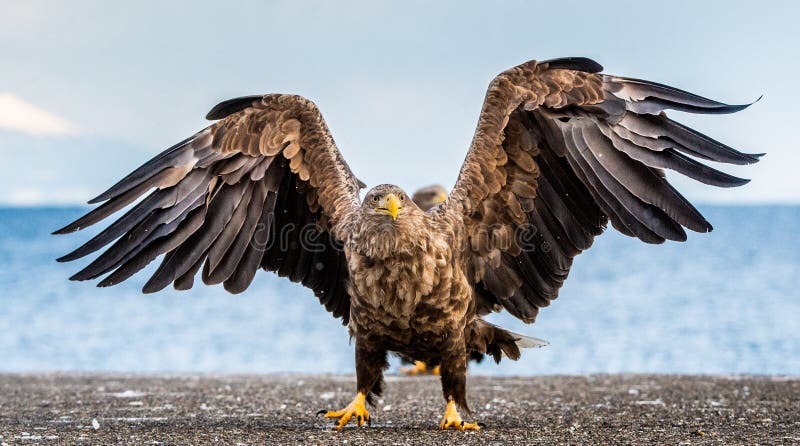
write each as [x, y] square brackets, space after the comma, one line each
[22, 116]
[37, 196]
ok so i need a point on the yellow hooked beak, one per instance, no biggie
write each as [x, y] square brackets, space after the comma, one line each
[440, 198]
[390, 205]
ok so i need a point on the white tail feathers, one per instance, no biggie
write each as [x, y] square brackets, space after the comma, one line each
[528, 341]
[498, 342]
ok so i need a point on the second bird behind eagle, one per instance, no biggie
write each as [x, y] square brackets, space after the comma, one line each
[560, 150]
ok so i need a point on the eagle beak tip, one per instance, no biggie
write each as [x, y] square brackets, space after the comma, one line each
[394, 206]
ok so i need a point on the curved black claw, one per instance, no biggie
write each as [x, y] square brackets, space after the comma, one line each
[482, 425]
[322, 412]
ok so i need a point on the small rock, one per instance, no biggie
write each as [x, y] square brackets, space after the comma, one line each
[655, 402]
[95, 424]
[129, 394]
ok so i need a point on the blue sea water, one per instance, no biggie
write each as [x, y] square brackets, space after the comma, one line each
[724, 302]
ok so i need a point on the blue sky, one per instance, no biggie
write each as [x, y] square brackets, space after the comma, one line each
[90, 90]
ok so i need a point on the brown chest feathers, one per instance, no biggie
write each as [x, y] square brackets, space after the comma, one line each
[406, 284]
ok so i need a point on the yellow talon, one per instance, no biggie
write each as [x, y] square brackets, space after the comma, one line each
[453, 419]
[356, 410]
[419, 368]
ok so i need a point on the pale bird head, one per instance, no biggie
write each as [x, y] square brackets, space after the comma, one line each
[430, 196]
[387, 200]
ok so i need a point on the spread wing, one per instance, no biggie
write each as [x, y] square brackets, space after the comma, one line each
[560, 150]
[265, 186]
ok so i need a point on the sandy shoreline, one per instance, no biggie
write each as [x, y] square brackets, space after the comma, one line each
[279, 409]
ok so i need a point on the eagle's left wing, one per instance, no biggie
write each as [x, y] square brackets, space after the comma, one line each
[561, 149]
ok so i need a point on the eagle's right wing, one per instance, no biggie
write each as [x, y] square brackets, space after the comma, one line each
[265, 186]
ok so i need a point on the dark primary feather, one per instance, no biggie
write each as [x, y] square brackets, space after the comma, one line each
[217, 217]
[684, 139]
[138, 238]
[159, 246]
[241, 277]
[218, 271]
[178, 155]
[574, 63]
[669, 158]
[159, 207]
[231, 106]
[652, 98]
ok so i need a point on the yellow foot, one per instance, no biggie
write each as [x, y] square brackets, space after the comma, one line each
[355, 410]
[453, 419]
[419, 368]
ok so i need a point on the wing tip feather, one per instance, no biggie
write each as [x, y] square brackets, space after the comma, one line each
[62, 231]
[105, 283]
[574, 63]
[754, 158]
[71, 227]
[150, 288]
[230, 106]
[64, 259]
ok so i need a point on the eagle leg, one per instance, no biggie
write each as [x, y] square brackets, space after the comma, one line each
[453, 419]
[370, 364]
[356, 410]
[454, 383]
[419, 368]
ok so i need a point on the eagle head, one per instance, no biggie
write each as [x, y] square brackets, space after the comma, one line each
[390, 223]
[387, 203]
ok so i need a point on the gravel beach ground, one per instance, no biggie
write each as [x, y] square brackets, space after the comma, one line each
[280, 409]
